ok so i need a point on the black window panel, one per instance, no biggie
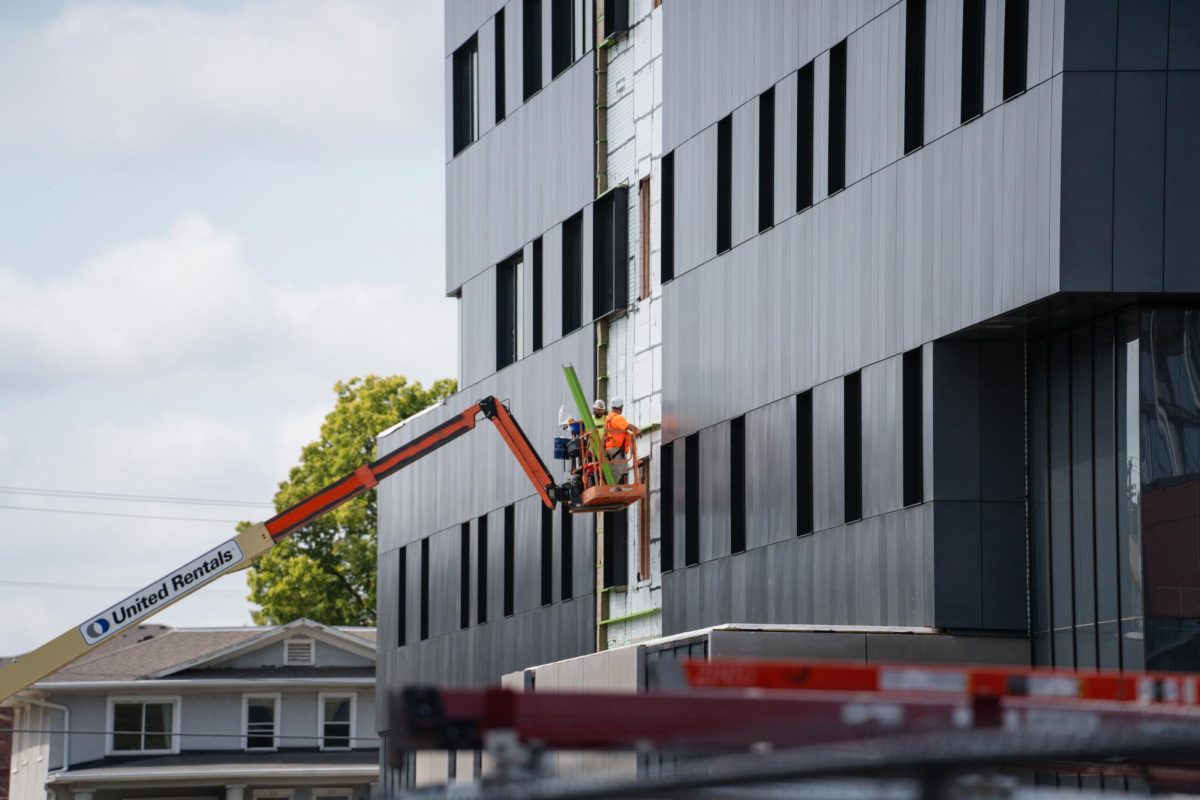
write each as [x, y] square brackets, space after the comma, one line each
[562, 24]
[913, 430]
[914, 75]
[667, 249]
[465, 68]
[402, 597]
[616, 548]
[1016, 46]
[852, 410]
[972, 59]
[547, 555]
[737, 485]
[725, 184]
[481, 570]
[572, 274]
[499, 70]
[531, 46]
[837, 117]
[666, 516]
[538, 309]
[766, 159]
[691, 500]
[424, 589]
[616, 17]
[566, 553]
[610, 253]
[507, 319]
[805, 125]
[464, 575]
[510, 555]
[804, 464]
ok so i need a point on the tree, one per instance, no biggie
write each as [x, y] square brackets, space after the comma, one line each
[326, 570]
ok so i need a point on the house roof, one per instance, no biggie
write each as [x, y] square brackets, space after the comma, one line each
[147, 651]
[335, 765]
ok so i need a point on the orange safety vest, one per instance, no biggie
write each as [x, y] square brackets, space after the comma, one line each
[616, 432]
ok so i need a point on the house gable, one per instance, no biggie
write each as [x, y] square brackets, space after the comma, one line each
[331, 648]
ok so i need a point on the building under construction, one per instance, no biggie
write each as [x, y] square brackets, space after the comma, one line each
[901, 293]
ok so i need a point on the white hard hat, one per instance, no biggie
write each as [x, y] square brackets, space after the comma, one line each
[618, 402]
[598, 405]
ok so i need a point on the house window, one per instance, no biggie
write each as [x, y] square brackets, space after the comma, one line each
[610, 253]
[500, 59]
[805, 128]
[547, 556]
[1016, 46]
[260, 713]
[336, 720]
[330, 794]
[537, 295]
[531, 44]
[424, 589]
[725, 184]
[644, 218]
[914, 75]
[737, 485]
[143, 725]
[837, 117]
[972, 59]
[572, 273]
[510, 555]
[567, 553]
[466, 94]
[852, 422]
[691, 500]
[766, 159]
[508, 310]
[273, 794]
[914, 461]
[666, 516]
[804, 463]
[299, 652]
[644, 568]
[667, 254]
[464, 576]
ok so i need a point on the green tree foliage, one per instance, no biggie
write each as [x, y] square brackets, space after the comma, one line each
[326, 571]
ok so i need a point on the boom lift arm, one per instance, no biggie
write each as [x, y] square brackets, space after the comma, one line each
[255, 540]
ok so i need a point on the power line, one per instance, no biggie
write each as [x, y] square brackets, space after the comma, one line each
[116, 514]
[84, 587]
[149, 498]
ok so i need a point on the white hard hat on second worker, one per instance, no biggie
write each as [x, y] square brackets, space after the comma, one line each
[618, 402]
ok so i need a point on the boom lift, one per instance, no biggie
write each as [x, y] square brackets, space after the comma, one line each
[238, 552]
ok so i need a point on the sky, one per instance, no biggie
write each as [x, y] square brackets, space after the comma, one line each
[210, 212]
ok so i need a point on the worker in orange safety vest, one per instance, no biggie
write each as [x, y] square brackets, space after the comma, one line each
[617, 433]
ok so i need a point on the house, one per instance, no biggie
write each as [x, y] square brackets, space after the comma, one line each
[274, 713]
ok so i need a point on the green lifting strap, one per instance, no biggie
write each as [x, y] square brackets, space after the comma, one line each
[585, 414]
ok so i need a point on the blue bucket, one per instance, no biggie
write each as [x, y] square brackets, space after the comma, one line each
[577, 427]
[560, 447]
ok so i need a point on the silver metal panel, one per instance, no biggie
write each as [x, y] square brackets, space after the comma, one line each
[463, 19]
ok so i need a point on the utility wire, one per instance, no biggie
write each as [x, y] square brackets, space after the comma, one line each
[116, 514]
[83, 587]
[149, 498]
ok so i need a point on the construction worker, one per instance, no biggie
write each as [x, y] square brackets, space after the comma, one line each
[617, 433]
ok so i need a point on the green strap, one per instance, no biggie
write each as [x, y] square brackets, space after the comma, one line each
[585, 413]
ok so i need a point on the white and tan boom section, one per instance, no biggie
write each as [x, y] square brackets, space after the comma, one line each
[255, 540]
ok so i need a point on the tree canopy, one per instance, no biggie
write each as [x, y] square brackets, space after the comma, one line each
[326, 571]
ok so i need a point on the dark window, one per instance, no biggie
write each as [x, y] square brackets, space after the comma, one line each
[914, 75]
[610, 253]
[538, 304]
[666, 516]
[691, 500]
[852, 420]
[643, 468]
[562, 18]
[644, 235]
[466, 94]
[725, 184]
[616, 548]
[547, 556]
[402, 597]
[531, 44]
[737, 485]
[972, 59]
[500, 79]
[805, 125]
[766, 159]
[424, 589]
[572, 273]
[616, 17]
[804, 463]
[508, 311]
[914, 460]
[667, 254]
[566, 553]
[464, 575]
[510, 555]
[837, 117]
[1016, 46]
[481, 570]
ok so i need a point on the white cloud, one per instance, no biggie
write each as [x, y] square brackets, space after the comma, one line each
[130, 76]
[189, 301]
